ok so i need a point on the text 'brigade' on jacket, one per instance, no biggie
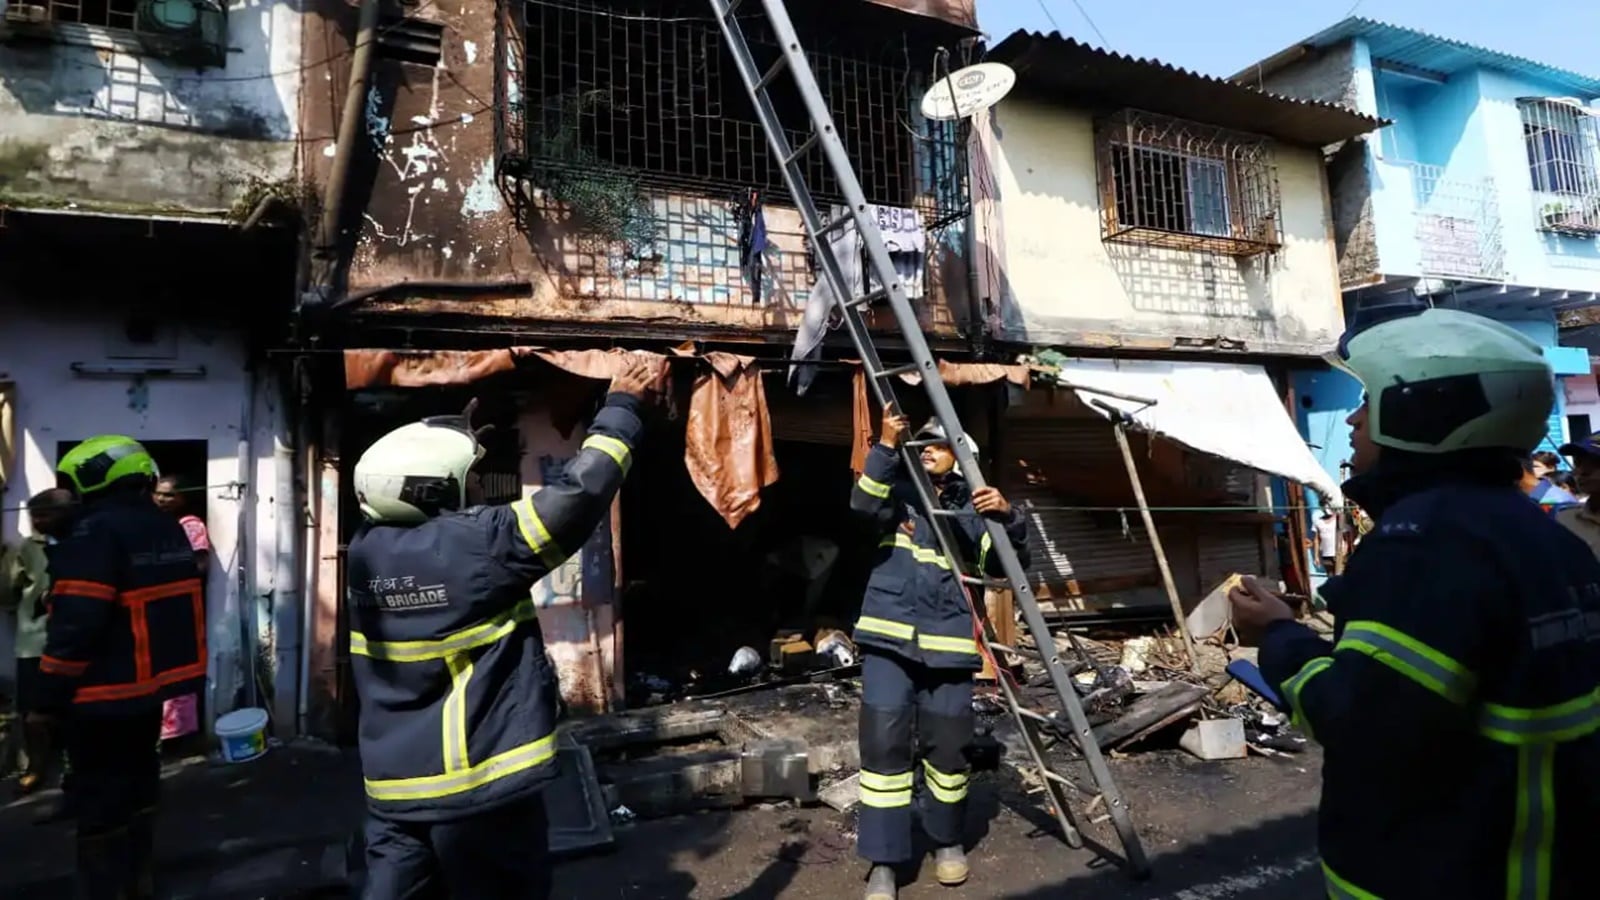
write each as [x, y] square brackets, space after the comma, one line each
[458, 701]
[915, 604]
[1459, 705]
[127, 624]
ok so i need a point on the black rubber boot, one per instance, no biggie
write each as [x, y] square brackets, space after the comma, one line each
[103, 866]
[142, 856]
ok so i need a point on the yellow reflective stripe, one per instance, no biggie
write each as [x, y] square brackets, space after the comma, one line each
[1528, 864]
[1411, 658]
[873, 487]
[984, 546]
[455, 713]
[1339, 889]
[886, 627]
[882, 791]
[610, 446]
[945, 787]
[1558, 724]
[466, 639]
[536, 535]
[879, 782]
[921, 554]
[1297, 683]
[490, 770]
[944, 644]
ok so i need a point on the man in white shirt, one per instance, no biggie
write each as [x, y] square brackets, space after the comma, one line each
[1326, 528]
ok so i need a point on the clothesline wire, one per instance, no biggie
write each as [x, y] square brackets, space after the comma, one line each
[231, 485]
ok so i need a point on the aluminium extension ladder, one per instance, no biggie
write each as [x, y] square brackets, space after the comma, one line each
[825, 136]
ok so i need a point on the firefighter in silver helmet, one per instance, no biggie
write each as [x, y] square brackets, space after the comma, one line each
[1459, 704]
[458, 701]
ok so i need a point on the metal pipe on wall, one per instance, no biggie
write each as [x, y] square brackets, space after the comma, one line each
[325, 251]
[304, 503]
[288, 632]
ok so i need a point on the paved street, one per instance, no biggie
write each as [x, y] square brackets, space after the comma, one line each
[275, 829]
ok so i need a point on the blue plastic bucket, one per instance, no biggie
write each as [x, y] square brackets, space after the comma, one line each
[242, 734]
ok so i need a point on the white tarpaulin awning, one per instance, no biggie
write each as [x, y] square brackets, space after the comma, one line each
[1222, 409]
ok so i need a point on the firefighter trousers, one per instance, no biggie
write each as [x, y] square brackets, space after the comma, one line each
[902, 699]
[115, 786]
[501, 854]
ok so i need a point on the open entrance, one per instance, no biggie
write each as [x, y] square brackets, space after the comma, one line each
[183, 460]
[697, 591]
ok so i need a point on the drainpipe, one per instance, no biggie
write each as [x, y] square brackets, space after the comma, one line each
[305, 507]
[325, 252]
[242, 545]
[287, 629]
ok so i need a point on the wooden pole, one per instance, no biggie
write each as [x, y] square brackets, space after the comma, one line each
[1155, 544]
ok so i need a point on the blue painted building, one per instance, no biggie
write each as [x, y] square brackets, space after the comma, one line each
[1482, 195]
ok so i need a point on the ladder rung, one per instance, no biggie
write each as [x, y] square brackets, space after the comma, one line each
[998, 584]
[801, 150]
[836, 224]
[773, 71]
[868, 299]
[1014, 651]
[906, 369]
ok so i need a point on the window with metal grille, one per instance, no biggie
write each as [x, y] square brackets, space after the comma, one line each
[1168, 182]
[622, 99]
[190, 31]
[1562, 138]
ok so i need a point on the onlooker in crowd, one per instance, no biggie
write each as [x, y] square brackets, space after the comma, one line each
[1539, 488]
[180, 716]
[1584, 520]
[1326, 529]
[26, 589]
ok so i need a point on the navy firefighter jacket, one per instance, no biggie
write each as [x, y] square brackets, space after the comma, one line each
[458, 701]
[1459, 705]
[915, 605]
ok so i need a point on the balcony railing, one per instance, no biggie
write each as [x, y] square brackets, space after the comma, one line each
[1457, 224]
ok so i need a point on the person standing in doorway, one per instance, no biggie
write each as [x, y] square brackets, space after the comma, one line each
[920, 651]
[180, 716]
[27, 582]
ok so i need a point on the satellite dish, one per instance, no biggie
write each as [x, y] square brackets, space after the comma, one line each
[966, 91]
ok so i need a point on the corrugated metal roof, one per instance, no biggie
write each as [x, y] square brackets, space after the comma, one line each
[1068, 70]
[1446, 56]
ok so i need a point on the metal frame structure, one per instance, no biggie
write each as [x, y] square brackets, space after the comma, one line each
[824, 136]
[1563, 143]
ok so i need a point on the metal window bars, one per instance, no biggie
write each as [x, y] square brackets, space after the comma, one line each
[1562, 138]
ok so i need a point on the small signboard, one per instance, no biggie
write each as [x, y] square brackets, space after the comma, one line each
[966, 91]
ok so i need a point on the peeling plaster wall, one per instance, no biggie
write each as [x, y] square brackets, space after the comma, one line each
[428, 207]
[105, 128]
[37, 347]
[1057, 282]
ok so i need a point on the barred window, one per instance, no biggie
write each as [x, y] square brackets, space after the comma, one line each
[1168, 182]
[1560, 136]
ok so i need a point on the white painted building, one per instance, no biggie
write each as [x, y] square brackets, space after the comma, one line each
[143, 278]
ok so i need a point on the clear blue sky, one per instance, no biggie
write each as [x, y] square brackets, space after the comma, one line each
[1220, 37]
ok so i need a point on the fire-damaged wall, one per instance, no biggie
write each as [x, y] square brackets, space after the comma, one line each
[110, 106]
[599, 161]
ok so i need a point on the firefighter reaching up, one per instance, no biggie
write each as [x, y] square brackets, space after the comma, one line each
[458, 702]
[919, 651]
[126, 631]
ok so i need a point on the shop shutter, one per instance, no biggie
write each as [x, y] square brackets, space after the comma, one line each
[1225, 549]
[810, 419]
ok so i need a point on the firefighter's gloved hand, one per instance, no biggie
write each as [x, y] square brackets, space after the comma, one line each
[1256, 606]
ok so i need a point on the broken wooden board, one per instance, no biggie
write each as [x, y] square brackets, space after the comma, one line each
[1151, 713]
[842, 795]
[658, 725]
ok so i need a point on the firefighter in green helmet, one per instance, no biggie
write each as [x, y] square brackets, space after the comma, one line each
[126, 631]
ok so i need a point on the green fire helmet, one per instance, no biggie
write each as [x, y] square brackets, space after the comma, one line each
[1441, 380]
[100, 462]
[417, 471]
